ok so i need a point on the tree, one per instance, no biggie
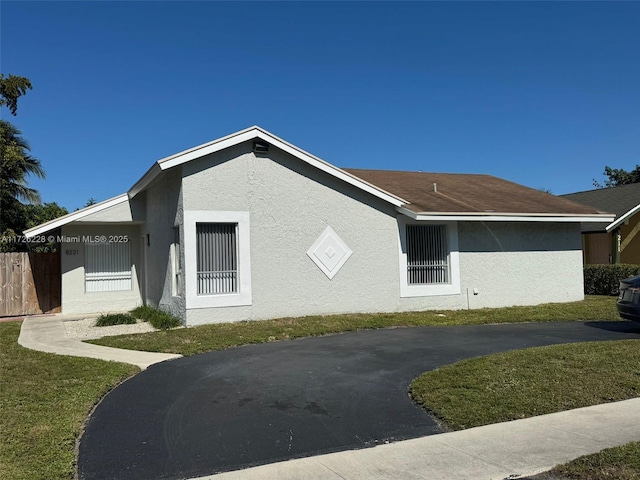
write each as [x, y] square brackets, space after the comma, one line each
[11, 88]
[16, 162]
[619, 176]
[38, 214]
[21, 217]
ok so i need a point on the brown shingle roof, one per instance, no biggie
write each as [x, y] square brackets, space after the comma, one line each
[468, 193]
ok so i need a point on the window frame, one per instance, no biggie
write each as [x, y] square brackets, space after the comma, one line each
[243, 296]
[424, 290]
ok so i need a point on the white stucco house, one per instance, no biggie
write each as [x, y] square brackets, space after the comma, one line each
[251, 227]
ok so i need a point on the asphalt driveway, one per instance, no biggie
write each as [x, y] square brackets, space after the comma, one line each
[264, 403]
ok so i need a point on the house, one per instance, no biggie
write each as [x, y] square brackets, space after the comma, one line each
[251, 227]
[617, 241]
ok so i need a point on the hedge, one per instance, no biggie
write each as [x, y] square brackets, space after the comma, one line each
[605, 279]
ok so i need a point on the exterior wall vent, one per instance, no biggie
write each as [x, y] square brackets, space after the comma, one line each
[260, 147]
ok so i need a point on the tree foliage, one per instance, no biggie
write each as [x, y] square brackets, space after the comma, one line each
[38, 214]
[19, 217]
[619, 176]
[16, 164]
[12, 88]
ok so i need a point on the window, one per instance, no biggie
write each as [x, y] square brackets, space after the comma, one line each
[176, 264]
[217, 263]
[427, 254]
[107, 267]
[217, 258]
[429, 258]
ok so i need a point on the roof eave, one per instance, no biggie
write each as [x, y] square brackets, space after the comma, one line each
[145, 180]
[74, 216]
[623, 218]
[505, 216]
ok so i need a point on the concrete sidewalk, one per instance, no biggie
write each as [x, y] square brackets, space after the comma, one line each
[501, 451]
[47, 334]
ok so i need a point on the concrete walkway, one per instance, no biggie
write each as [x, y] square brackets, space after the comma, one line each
[47, 334]
[501, 451]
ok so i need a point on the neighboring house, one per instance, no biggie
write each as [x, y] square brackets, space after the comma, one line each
[251, 227]
[617, 241]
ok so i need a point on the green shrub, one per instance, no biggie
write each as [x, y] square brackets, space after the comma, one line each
[144, 312]
[164, 321]
[157, 318]
[605, 279]
[115, 319]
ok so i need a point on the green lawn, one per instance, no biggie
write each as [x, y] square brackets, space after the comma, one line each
[535, 381]
[220, 336]
[524, 383]
[44, 400]
[619, 463]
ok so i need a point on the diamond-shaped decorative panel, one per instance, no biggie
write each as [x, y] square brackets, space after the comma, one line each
[329, 252]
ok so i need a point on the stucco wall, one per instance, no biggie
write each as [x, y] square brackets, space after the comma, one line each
[163, 212]
[117, 213]
[520, 263]
[74, 298]
[291, 204]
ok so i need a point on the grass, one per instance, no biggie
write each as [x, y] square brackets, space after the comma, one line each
[195, 340]
[534, 381]
[618, 463]
[106, 320]
[157, 318]
[44, 400]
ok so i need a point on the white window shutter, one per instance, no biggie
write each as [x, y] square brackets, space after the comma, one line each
[107, 267]
[217, 258]
[427, 255]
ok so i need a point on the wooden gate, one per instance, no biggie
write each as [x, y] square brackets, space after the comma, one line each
[30, 283]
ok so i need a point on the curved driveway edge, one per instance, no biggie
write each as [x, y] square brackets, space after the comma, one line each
[498, 451]
[47, 334]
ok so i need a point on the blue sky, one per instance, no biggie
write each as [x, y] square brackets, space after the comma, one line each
[544, 94]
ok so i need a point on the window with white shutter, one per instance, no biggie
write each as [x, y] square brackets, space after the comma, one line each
[107, 267]
[217, 258]
[427, 254]
[429, 259]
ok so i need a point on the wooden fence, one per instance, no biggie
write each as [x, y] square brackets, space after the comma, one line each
[30, 283]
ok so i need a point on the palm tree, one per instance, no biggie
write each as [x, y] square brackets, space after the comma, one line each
[16, 164]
